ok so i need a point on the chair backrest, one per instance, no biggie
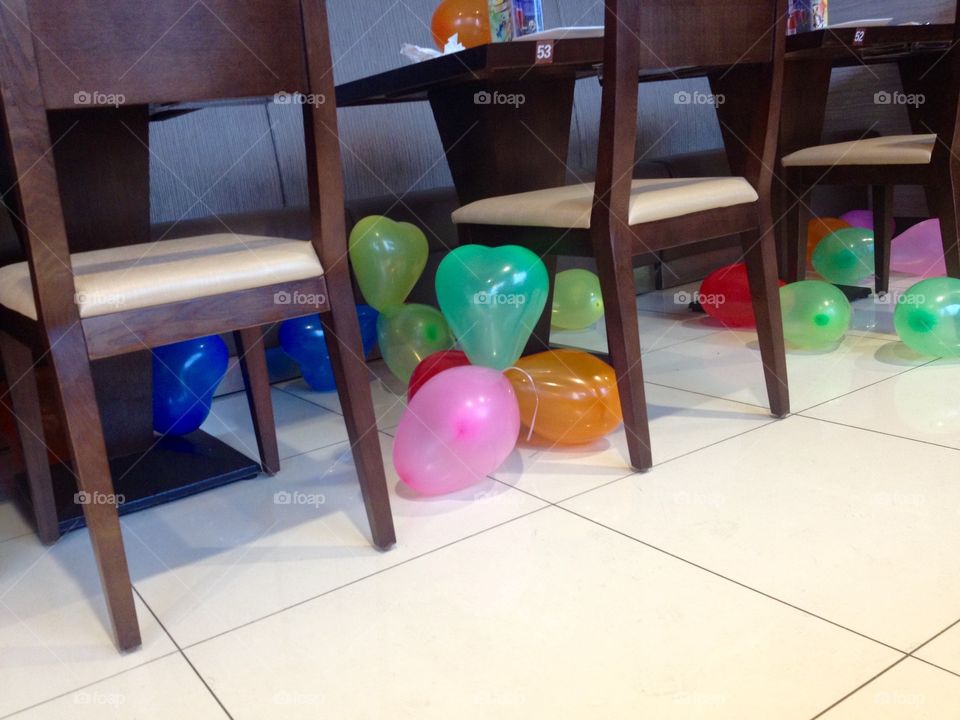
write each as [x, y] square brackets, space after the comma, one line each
[739, 47]
[81, 54]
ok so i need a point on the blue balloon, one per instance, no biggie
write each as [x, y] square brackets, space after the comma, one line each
[304, 341]
[185, 376]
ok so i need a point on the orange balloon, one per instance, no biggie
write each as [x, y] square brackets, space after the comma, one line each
[468, 18]
[577, 393]
[818, 229]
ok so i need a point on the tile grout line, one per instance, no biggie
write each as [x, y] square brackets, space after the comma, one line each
[878, 432]
[365, 577]
[182, 653]
[858, 688]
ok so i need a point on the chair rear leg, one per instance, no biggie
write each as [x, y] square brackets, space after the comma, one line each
[540, 337]
[794, 224]
[623, 341]
[84, 431]
[943, 204]
[353, 386]
[760, 256]
[18, 365]
[256, 379]
[882, 201]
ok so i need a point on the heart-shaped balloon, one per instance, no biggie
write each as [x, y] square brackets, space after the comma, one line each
[409, 333]
[185, 376]
[388, 258]
[492, 298]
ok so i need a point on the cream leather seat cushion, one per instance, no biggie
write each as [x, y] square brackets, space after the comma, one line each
[150, 274]
[570, 206]
[892, 150]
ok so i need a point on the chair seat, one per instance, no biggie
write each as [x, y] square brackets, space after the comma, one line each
[151, 274]
[570, 206]
[891, 150]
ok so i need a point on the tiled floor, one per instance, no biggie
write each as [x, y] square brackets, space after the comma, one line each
[777, 570]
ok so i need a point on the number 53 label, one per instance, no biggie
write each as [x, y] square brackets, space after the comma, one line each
[544, 52]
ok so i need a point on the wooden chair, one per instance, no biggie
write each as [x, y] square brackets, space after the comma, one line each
[149, 52]
[616, 219]
[928, 157]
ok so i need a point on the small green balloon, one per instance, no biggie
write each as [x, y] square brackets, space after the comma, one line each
[577, 300]
[927, 317]
[388, 258]
[815, 314]
[409, 333]
[845, 257]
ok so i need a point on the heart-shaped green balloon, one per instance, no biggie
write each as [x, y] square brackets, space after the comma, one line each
[492, 298]
[409, 333]
[388, 258]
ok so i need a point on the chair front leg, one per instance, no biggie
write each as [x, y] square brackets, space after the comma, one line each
[252, 357]
[882, 202]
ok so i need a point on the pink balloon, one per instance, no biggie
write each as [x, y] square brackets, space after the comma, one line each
[864, 219]
[919, 250]
[460, 426]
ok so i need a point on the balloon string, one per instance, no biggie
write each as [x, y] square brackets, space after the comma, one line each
[536, 395]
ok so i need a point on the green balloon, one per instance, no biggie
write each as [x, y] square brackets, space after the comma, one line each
[388, 258]
[492, 298]
[927, 317]
[815, 314]
[577, 300]
[845, 257]
[409, 333]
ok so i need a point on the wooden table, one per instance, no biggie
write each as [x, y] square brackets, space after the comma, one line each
[102, 160]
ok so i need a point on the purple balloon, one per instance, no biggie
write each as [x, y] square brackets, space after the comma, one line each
[460, 426]
[919, 250]
[863, 219]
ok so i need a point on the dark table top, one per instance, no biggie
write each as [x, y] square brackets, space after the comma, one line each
[581, 57]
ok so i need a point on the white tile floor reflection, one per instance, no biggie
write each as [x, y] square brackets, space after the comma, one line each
[795, 569]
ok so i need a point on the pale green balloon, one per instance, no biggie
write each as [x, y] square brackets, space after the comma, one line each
[927, 317]
[845, 257]
[577, 300]
[388, 258]
[815, 314]
[409, 333]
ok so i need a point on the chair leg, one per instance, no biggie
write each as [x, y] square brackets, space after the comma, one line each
[256, 379]
[623, 341]
[760, 256]
[18, 366]
[84, 431]
[942, 202]
[353, 386]
[882, 202]
[540, 337]
[795, 224]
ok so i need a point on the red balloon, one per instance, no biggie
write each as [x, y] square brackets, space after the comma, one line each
[725, 296]
[434, 365]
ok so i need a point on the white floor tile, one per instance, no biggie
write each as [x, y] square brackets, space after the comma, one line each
[545, 617]
[217, 560]
[680, 422]
[727, 365]
[389, 395]
[54, 631]
[160, 690]
[922, 404]
[301, 426]
[912, 690]
[12, 521]
[857, 527]
[944, 650]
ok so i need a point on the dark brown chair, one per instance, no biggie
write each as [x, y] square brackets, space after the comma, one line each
[615, 220]
[65, 306]
[928, 158]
